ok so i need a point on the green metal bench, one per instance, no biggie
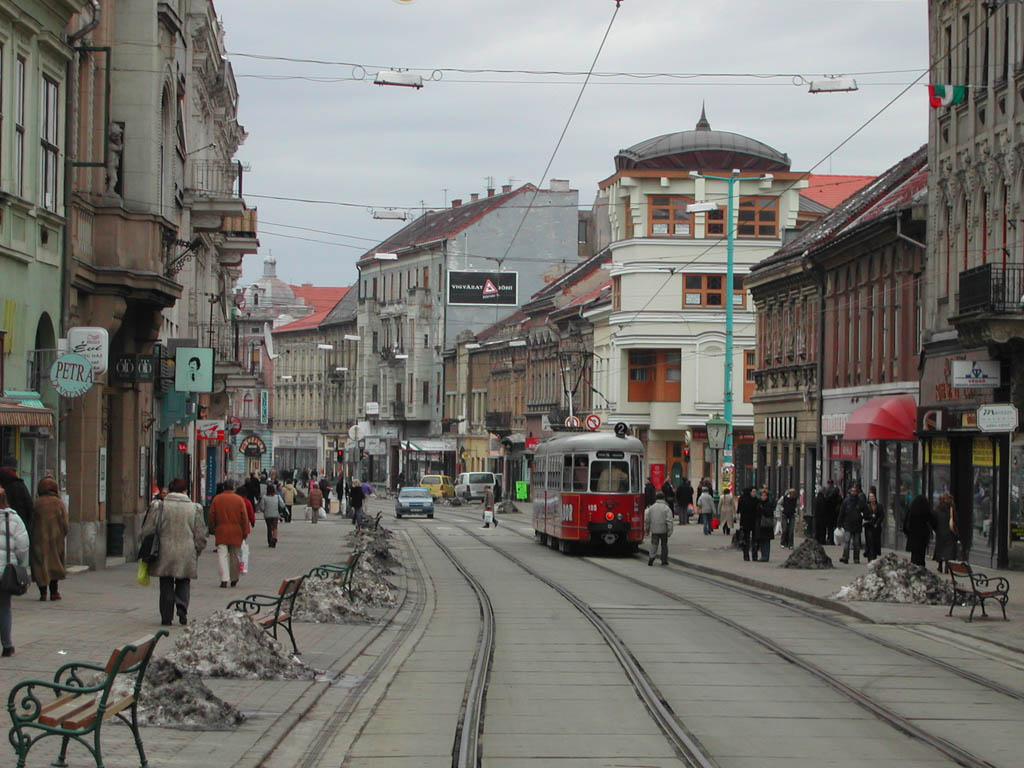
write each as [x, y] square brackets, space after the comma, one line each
[273, 611]
[973, 589]
[344, 572]
[81, 706]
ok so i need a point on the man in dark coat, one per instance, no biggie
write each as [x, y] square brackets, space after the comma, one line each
[684, 498]
[833, 498]
[650, 493]
[355, 499]
[749, 519]
[820, 515]
[917, 526]
[18, 495]
[851, 519]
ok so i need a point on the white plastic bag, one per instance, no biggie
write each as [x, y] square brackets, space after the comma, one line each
[778, 527]
[322, 513]
[243, 557]
[840, 537]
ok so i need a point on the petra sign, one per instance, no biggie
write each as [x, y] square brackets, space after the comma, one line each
[71, 375]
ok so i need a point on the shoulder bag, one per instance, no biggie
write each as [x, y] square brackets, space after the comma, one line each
[14, 580]
[149, 549]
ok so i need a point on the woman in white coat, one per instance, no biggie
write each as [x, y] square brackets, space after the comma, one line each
[14, 548]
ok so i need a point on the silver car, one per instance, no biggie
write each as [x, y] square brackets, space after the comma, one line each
[414, 500]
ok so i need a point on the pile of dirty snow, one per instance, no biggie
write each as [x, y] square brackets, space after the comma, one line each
[325, 601]
[894, 579]
[229, 644]
[810, 556]
[174, 698]
[369, 586]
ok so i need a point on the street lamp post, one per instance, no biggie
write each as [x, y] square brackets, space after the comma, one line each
[718, 434]
[730, 231]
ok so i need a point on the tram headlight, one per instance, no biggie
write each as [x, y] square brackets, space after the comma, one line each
[609, 515]
[618, 516]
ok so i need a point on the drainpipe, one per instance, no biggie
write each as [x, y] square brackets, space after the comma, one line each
[96, 10]
[901, 236]
[819, 278]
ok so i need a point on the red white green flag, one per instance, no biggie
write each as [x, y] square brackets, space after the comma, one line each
[946, 95]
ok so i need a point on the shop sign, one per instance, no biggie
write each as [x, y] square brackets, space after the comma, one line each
[844, 450]
[936, 451]
[488, 288]
[982, 453]
[834, 423]
[71, 375]
[182, 446]
[253, 446]
[975, 374]
[134, 368]
[91, 343]
[520, 490]
[264, 406]
[101, 472]
[234, 425]
[375, 446]
[932, 419]
[997, 417]
[209, 429]
[193, 369]
[532, 443]
[372, 409]
[658, 475]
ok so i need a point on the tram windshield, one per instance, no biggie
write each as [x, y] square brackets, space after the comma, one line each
[609, 477]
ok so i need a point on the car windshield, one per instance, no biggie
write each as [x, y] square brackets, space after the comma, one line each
[431, 480]
[481, 477]
[414, 493]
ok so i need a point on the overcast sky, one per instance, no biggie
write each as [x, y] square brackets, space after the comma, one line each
[321, 131]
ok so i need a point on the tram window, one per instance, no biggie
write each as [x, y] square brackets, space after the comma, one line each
[634, 474]
[580, 465]
[567, 473]
[609, 477]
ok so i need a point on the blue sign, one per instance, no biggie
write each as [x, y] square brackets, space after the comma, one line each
[211, 474]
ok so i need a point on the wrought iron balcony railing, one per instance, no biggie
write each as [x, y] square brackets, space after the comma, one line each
[993, 288]
[214, 178]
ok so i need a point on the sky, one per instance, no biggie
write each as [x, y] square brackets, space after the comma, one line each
[323, 131]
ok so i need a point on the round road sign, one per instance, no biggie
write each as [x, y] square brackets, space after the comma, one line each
[572, 421]
[593, 422]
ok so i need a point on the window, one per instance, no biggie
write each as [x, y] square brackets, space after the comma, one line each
[967, 48]
[49, 137]
[609, 477]
[398, 392]
[654, 375]
[749, 366]
[410, 389]
[580, 468]
[628, 219]
[426, 392]
[19, 127]
[426, 277]
[673, 359]
[426, 341]
[581, 231]
[373, 342]
[758, 217]
[373, 393]
[709, 291]
[1, 92]
[667, 216]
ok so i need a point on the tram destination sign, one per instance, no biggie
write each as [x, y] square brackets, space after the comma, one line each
[487, 288]
[998, 417]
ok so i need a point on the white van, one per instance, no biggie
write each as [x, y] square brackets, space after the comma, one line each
[471, 485]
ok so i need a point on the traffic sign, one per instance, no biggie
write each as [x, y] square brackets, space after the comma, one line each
[572, 421]
[593, 422]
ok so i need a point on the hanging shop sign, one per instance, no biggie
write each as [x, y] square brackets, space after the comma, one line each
[490, 288]
[93, 344]
[264, 406]
[209, 429]
[253, 446]
[135, 368]
[974, 374]
[71, 375]
[193, 369]
[997, 417]
[234, 425]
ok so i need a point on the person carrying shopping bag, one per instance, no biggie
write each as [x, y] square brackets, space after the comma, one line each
[229, 523]
[315, 501]
[14, 548]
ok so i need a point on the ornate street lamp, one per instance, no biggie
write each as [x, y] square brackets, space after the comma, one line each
[718, 435]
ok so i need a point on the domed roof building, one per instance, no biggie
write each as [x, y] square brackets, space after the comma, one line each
[270, 291]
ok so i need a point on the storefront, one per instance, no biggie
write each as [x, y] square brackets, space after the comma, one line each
[26, 433]
[296, 452]
[426, 455]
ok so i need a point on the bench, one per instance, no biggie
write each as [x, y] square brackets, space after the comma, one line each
[344, 572]
[84, 701]
[970, 588]
[273, 611]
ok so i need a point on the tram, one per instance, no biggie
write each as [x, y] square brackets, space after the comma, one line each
[588, 489]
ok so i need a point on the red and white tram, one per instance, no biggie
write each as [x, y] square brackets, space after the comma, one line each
[588, 488]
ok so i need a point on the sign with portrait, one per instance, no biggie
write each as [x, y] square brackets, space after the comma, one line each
[193, 369]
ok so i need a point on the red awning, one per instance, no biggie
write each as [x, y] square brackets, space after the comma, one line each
[892, 417]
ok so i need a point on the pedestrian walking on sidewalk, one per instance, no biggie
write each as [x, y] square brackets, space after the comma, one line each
[271, 506]
[833, 500]
[945, 531]
[765, 525]
[14, 548]
[182, 533]
[315, 501]
[229, 523]
[288, 493]
[356, 495]
[18, 496]
[917, 526]
[874, 519]
[684, 498]
[747, 506]
[726, 511]
[706, 506]
[788, 517]
[658, 523]
[650, 493]
[49, 531]
[851, 520]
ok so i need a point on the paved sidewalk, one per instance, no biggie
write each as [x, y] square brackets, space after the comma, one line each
[714, 554]
[101, 610]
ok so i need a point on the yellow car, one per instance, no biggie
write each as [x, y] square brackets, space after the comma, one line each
[440, 486]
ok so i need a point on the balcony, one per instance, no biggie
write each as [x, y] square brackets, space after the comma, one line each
[213, 191]
[991, 305]
[397, 409]
[498, 421]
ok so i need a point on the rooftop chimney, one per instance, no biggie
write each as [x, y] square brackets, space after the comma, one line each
[490, 191]
[559, 185]
[506, 188]
[474, 196]
[456, 202]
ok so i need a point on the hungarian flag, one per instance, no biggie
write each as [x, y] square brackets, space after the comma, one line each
[946, 95]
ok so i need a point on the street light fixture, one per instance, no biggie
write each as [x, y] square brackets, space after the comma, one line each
[386, 256]
[719, 431]
[398, 77]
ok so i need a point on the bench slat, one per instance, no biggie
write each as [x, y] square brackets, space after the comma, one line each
[86, 717]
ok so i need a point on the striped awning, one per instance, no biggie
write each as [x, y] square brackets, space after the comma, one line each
[24, 413]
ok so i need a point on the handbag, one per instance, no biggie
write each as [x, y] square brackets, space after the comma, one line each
[142, 574]
[149, 549]
[14, 580]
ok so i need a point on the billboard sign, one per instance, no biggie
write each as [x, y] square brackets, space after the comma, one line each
[975, 374]
[193, 369]
[483, 288]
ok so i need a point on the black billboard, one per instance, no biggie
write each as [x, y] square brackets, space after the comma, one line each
[489, 288]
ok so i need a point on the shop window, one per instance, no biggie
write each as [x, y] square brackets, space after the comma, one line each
[709, 291]
[758, 217]
[667, 216]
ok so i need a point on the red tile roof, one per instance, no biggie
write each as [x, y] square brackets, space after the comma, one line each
[830, 190]
[322, 299]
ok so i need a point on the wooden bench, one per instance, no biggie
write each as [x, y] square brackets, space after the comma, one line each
[344, 572]
[273, 611]
[84, 701]
[974, 589]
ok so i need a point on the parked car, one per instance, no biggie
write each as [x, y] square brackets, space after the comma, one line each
[471, 485]
[440, 486]
[413, 500]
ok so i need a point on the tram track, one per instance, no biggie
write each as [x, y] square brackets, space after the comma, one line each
[871, 704]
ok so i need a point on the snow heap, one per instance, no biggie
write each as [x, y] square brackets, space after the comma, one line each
[325, 601]
[810, 555]
[173, 698]
[230, 644]
[894, 579]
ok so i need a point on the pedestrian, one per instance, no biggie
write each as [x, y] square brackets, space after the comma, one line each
[325, 492]
[658, 523]
[851, 520]
[489, 508]
[288, 492]
[726, 510]
[788, 518]
[179, 525]
[818, 513]
[747, 506]
[49, 531]
[944, 523]
[355, 498]
[874, 519]
[766, 525]
[669, 494]
[917, 526]
[650, 492]
[315, 501]
[833, 499]
[684, 500]
[229, 523]
[271, 505]
[342, 490]
[706, 506]
[18, 496]
[14, 548]
[497, 494]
